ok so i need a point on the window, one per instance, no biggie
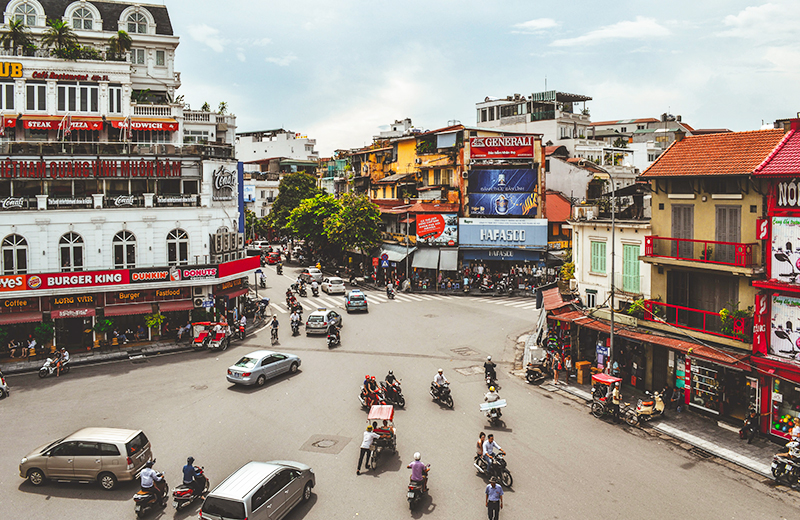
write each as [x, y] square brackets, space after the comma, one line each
[630, 268]
[7, 96]
[598, 258]
[640, 127]
[137, 24]
[115, 100]
[36, 97]
[124, 250]
[447, 175]
[651, 157]
[483, 115]
[25, 13]
[79, 98]
[160, 58]
[71, 252]
[437, 177]
[623, 129]
[509, 110]
[491, 113]
[15, 255]
[177, 247]
[137, 56]
[591, 299]
[82, 19]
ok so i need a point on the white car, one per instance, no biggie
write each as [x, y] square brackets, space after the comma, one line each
[310, 274]
[333, 285]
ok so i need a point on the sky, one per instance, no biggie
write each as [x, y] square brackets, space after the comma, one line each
[340, 71]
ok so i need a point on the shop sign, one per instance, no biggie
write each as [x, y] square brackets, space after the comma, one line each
[171, 294]
[14, 169]
[179, 199]
[72, 313]
[50, 124]
[784, 264]
[784, 338]
[760, 318]
[233, 284]
[517, 204]
[786, 194]
[438, 230]
[517, 255]
[67, 77]
[82, 300]
[13, 282]
[21, 304]
[13, 203]
[121, 201]
[224, 183]
[510, 147]
[75, 201]
[129, 296]
[558, 245]
[503, 181]
[496, 233]
[172, 274]
[762, 229]
[201, 273]
[78, 279]
[165, 126]
[10, 69]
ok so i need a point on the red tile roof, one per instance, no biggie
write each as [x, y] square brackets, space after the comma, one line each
[560, 149]
[558, 208]
[785, 158]
[552, 299]
[626, 121]
[586, 164]
[735, 153]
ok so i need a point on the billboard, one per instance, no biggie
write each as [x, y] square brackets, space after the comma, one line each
[784, 330]
[437, 229]
[249, 192]
[785, 261]
[509, 147]
[503, 181]
[516, 204]
[493, 233]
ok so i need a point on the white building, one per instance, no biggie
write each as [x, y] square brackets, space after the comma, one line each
[269, 144]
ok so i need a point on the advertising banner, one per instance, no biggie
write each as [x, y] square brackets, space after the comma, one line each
[162, 274]
[784, 330]
[517, 204]
[494, 233]
[510, 147]
[14, 282]
[785, 262]
[78, 279]
[249, 192]
[503, 181]
[438, 229]
[199, 272]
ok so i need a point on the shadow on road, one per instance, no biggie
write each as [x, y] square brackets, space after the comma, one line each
[246, 389]
[83, 491]
[424, 507]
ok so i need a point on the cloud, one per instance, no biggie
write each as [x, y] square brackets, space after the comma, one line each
[208, 35]
[535, 26]
[240, 55]
[641, 28]
[283, 61]
[764, 22]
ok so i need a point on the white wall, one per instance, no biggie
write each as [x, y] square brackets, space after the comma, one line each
[282, 145]
[567, 178]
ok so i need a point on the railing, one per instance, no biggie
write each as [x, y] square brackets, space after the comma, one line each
[152, 110]
[696, 319]
[111, 148]
[704, 251]
[196, 117]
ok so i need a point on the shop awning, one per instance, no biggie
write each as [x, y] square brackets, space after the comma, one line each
[448, 260]
[167, 124]
[180, 305]
[55, 123]
[395, 253]
[427, 258]
[20, 317]
[73, 313]
[129, 310]
[553, 300]
[391, 179]
[233, 294]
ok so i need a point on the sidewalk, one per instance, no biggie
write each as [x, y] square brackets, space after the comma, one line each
[709, 435]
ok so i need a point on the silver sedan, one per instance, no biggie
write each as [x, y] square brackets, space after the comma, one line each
[256, 367]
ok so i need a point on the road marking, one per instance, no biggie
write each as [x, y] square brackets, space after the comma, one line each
[279, 308]
[530, 306]
[333, 302]
[378, 298]
[425, 297]
[412, 298]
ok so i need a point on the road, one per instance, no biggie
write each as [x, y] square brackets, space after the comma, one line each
[565, 463]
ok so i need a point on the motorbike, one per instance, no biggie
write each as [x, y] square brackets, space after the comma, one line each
[497, 469]
[486, 286]
[241, 331]
[393, 393]
[504, 287]
[491, 378]
[49, 368]
[493, 412]
[442, 394]
[534, 374]
[315, 291]
[301, 291]
[786, 468]
[333, 340]
[183, 495]
[646, 410]
[362, 398]
[262, 282]
[416, 490]
[390, 293]
[295, 328]
[147, 500]
[279, 269]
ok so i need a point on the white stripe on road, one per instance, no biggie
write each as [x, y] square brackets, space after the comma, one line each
[413, 298]
[279, 308]
[530, 306]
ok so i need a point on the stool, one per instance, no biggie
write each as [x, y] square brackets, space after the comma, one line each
[114, 342]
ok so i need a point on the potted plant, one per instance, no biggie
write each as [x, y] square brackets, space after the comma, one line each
[154, 321]
[43, 333]
[103, 326]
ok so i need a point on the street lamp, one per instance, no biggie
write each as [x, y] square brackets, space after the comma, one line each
[613, 251]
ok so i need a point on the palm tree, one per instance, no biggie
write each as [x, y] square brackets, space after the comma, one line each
[119, 44]
[59, 35]
[17, 35]
[223, 107]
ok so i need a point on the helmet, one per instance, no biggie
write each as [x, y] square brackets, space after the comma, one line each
[149, 463]
[440, 370]
[488, 358]
[372, 377]
[417, 456]
[491, 389]
[366, 376]
[616, 384]
[190, 460]
[391, 373]
[63, 349]
[369, 428]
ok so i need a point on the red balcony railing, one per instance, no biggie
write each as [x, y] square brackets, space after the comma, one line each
[704, 251]
[697, 320]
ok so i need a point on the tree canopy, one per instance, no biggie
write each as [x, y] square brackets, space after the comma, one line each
[355, 225]
[307, 221]
[255, 227]
[293, 189]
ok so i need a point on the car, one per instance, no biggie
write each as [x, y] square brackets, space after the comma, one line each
[256, 367]
[319, 320]
[333, 285]
[273, 258]
[260, 491]
[104, 455]
[355, 300]
[311, 273]
[3, 387]
[262, 245]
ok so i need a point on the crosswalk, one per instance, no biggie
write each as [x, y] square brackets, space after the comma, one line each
[313, 303]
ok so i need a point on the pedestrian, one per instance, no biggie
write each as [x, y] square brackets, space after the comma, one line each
[796, 430]
[567, 368]
[494, 499]
[366, 444]
[479, 447]
[616, 397]
[557, 367]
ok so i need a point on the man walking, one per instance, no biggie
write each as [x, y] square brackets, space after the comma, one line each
[366, 444]
[616, 399]
[494, 499]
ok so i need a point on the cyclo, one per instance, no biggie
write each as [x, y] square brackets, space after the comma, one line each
[601, 387]
[388, 441]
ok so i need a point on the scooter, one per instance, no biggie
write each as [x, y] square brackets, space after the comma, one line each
[390, 293]
[50, 366]
[486, 286]
[241, 331]
[262, 282]
[334, 340]
[366, 403]
[183, 495]
[497, 469]
[301, 291]
[645, 410]
[393, 393]
[279, 269]
[416, 490]
[295, 328]
[534, 374]
[315, 291]
[442, 394]
[147, 500]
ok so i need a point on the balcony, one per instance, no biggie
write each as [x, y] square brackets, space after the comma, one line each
[153, 110]
[732, 257]
[76, 148]
[697, 320]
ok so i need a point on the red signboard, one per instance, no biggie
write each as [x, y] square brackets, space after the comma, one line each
[509, 147]
[72, 313]
[49, 124]
[82, 169]
[430, 226]
[78, 279]
[14, 282]
[760, 319]
[762, 229]
[239, 266]
[169, 126]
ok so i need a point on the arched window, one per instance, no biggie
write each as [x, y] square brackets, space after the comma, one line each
[15, 255]
[26, 13]
[137, 23]
[82, 19]
[177, 247]
[70, 249]
[124, 250]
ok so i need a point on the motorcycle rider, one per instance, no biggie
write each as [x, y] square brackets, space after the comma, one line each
[279, 267]
[419, 472]
[490, 397]
[439, 380]
[275, 325]
[150, 478]
[63, 359]
[390, 378]
[488, 451]
[314, 287]
[489, 369]
[294, 318]
[192, 478]
[333, 330]
[243, 325]
[263, 280]
[389, 289]
[370, 390]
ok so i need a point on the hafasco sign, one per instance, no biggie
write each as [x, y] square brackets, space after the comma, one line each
[78, 279]
[12, 283]
[494, 233]
[224, 182]
[10, 69]
[511, 147]
[12, 169]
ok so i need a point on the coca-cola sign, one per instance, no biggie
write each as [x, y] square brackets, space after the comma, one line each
[224, 183]
[121, 201]
[13, 203]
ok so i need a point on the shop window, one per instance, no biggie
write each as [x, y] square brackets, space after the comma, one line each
[169, 187]
[139, 186]
[15, 255]
[598, 265]
[7, 96]
[82, 19]
[117, 187]
[124, 250]
[785, 406]
[191, 188]
[25, 13]
[137, 23]
[59, 189]
[26, 188]
[36, 97]
[705, 389]
[87, 188]
[71, 252]
[177, 247]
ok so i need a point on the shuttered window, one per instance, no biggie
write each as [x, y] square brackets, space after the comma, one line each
[630, 268]
[598, 257]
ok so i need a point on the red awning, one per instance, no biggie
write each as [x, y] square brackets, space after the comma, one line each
[180, 305]
[10, 121]
[54, 123]
[233, 294]
[72, 313]
[20, 317]
[170, 125]
[129, 310]
[553, 300]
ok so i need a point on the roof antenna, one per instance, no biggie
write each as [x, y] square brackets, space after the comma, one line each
[545, 83]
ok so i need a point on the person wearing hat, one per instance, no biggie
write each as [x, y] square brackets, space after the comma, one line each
[366, 444]
[616, 397]
[494, 499]
[192, 477]
[439, 380]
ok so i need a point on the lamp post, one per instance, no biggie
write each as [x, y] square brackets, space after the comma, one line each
[613, 251]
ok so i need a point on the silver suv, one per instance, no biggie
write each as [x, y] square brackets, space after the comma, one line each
[105, 455]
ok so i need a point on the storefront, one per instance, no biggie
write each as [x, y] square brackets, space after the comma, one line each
[73, 317]
[18, 319]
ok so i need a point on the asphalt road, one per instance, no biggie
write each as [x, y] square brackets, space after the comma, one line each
[566, 464]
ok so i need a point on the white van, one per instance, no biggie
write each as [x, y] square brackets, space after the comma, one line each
[259, 244]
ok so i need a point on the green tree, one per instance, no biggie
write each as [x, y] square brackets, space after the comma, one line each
[255, 226]
[355, 225]
[223, 107]
[59, 35]
[17, 35]
[119, 44]
[206, 107]
[307, 220]
[293, 189]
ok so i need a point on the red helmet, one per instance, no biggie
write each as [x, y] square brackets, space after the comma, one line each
[373, 378]
[366, 376]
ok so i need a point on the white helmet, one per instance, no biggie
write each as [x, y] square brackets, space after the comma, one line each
[417, 456]
[440, 370]
[488, 358]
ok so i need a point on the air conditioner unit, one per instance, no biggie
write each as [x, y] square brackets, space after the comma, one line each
[573, 284]
[198, 302]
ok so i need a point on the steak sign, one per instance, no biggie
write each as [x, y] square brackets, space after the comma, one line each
[509, 147]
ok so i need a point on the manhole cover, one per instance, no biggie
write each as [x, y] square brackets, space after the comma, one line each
[332, 444]
[464, 351]
[324, 443]
[470, 371]
[200, 387]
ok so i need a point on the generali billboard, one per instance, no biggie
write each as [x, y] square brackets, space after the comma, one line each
[508, 147]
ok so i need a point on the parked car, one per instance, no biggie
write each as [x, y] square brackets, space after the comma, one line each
[311, 273]
[260, 491]
[105, 455]
[355, 300]
[273, 258]
[333, 285]
[256, 367]
[319, 320]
